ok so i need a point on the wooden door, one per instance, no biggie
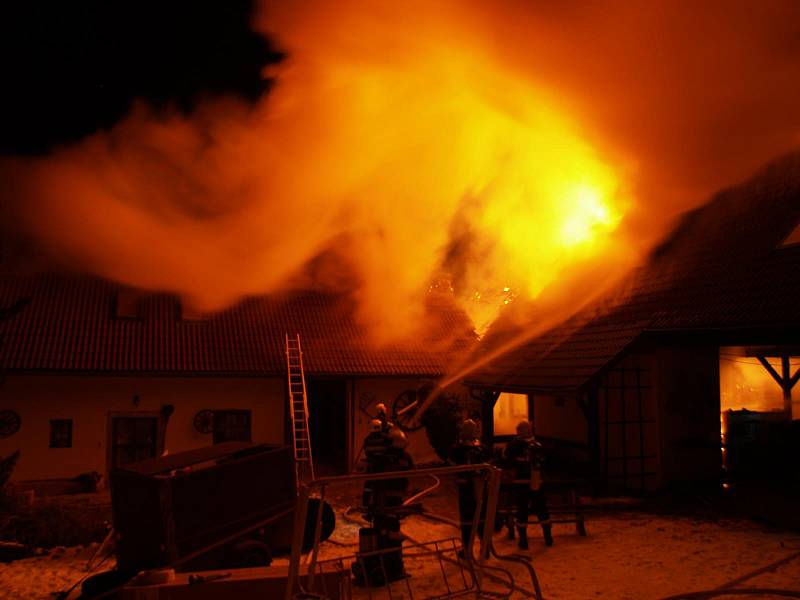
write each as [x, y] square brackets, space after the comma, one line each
[133, 439]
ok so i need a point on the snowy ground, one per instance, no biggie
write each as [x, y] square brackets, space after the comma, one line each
[626, 556]
[634, 556]
[41, 576]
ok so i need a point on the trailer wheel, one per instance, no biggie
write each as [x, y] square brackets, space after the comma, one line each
[328, 523]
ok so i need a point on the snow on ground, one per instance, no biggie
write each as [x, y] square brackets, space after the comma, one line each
[630, 556]
[39, 577]
[626, 556]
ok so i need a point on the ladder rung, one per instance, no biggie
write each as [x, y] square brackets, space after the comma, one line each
[298, 406]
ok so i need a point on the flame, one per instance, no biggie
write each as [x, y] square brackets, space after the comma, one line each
[394, 139]
[546, 200]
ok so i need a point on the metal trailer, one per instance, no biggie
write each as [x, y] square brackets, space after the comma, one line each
[226, 506]
[462, 574]
[169, 508]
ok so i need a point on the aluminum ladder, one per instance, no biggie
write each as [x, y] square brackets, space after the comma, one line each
[298, 407]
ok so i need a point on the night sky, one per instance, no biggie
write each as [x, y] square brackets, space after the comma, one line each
[71, 68]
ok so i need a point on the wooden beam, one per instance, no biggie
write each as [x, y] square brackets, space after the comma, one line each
[771, 370]
[795, 378]
[787, 385]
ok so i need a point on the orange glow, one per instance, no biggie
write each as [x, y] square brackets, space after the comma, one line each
[401, 151]
[746, 384]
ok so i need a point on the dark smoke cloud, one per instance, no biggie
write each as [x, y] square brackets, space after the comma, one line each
[352, 172]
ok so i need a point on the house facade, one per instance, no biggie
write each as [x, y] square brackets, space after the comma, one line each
[96, 375]
[636, 386]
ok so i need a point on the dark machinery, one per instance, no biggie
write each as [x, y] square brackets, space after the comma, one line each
[225, 506]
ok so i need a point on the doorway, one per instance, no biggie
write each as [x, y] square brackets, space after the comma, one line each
[327, 422]
[133, 439]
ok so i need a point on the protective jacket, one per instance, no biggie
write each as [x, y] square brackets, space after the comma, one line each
[524, 456]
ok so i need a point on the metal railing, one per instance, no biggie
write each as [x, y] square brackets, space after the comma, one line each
[490, 474]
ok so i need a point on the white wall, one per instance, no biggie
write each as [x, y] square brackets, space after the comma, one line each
[88, 400]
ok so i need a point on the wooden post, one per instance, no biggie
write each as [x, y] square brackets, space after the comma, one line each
[589, 405]
[787, 386]
[786, 380]
[298, 533]
[487, 398]
[488, 424]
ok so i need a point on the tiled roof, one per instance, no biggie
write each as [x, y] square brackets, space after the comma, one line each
[723, 268]
[69, 325]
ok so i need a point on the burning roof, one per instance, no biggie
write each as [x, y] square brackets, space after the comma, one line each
[69, 325]
[722, 268]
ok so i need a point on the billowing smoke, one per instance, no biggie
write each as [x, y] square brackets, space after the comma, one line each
[496, 145]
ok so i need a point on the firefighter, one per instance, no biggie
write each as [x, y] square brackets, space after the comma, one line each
[382, 500]
[376, 445]
[383, 417]
[468, 451]
[387, 523]
[524, 455]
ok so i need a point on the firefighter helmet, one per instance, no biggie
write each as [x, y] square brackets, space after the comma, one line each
[524, 429]
[469, 430]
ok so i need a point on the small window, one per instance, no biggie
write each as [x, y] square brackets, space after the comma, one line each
[61, 433]
[231, 426]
